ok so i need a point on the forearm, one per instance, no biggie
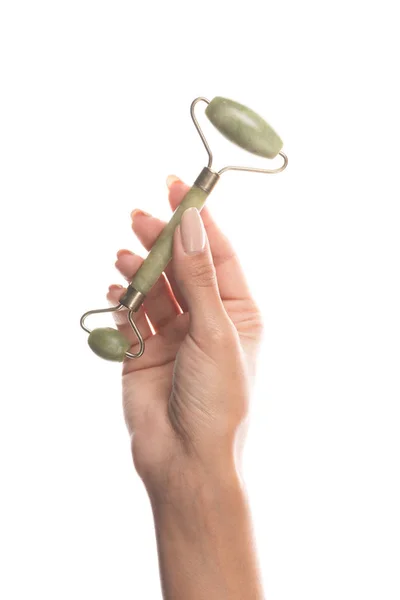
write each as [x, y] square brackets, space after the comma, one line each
[205, 542]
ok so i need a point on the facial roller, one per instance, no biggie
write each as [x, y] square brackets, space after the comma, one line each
[244, 128]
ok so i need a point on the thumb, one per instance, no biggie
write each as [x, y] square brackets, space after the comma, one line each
[195, 275]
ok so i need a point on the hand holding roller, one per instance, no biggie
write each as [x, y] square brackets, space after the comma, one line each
[241, 126]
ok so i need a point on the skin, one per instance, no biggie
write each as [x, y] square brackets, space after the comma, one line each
[186, 406]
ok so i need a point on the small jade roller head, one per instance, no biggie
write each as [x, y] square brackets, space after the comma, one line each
[109, 343]
[246, 129]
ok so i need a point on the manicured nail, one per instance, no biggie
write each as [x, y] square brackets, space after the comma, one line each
[124, 252]
[192, 231]
[138, 212]
[171, 179]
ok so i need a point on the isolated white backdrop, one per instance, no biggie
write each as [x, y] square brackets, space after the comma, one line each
[94, 115]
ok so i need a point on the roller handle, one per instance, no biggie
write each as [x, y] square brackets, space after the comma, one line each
[161, 253]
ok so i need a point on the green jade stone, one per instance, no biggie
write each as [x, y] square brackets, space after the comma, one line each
[108, 343]
[244, 127]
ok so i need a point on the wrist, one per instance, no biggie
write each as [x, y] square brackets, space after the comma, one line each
[190, 487]
[205, 509]
[204, 536]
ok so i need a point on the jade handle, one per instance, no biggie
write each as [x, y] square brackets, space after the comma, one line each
[161, 253]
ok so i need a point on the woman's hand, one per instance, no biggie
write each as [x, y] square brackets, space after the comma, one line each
[186, 402]
[186, 399]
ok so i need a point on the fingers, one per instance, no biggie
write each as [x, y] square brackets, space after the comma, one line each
[196, 277]
[147, 229]
[231, 280]
[160, 304]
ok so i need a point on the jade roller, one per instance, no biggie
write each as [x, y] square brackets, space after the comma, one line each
[241, 126]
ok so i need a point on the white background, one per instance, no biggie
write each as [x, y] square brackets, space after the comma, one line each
[94, 115]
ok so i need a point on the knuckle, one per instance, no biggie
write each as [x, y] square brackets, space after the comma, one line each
[251, 321]
[257, 322]
[203, 274]
[214, 338]
[221, 332]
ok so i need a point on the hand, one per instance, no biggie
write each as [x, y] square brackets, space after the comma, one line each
[186, 400]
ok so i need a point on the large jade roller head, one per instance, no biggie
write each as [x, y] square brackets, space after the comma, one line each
[246, 129]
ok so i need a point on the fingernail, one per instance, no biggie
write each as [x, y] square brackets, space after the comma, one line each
[192, 231]
[138, 212]
[171, 179]
[124, 252]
